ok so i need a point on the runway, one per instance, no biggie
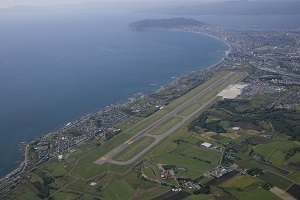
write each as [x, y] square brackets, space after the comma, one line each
[158, 138]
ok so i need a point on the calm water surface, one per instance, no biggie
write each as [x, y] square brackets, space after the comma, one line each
[55, 68]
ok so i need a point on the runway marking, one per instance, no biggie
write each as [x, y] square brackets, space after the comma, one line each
[104, 158]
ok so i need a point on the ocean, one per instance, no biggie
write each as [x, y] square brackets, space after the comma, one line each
[56, 67]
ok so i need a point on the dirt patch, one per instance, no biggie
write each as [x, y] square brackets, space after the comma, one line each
[172, 195]
[217, 115]
[217, 137]
[231, 135]
[242, 147]
[261, 140]
[281, 193]
[293, 165]
[247, 126]
[38, 186]
[222, 179]
[294, 190]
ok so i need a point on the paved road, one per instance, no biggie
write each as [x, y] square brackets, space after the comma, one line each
[108, 157]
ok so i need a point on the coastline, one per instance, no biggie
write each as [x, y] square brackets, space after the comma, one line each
[23, 164]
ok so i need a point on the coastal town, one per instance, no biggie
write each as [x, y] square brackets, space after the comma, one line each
[272, 55]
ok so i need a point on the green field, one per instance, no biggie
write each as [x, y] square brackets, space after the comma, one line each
[148, 172]
[165, 126]
[259, 194]
[119, 189]
[62, 195]
[276, 180]
[251, 163]
[189, 109]
[295, 158]
[194, 158]
[133, 149]
[30, 196]
[240, 181]
[57, 170]
[275, 151]
[86, 168]
[295, 176]
[200, 197]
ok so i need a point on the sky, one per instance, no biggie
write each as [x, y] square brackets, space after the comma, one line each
[11, 3]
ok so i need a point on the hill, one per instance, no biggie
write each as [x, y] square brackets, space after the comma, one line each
[163, 23]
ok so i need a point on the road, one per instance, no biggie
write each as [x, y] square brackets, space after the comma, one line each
[108, 157]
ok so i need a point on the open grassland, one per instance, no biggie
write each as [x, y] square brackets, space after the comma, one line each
[86, 168]
[295, 176]
[149, 193]
[251, 163]
[62, 195]
[30, 196]
[200, 197]
[165, 126]
[194, 167]
[148, 172]
[190, 109]
[58, 170]
[146, 122]
[295, 158]
[126, 124]
[195, 159]
[276, 180]
[133, 149]
[275, 151]
[254, 194]
[119, 189]
[240, 181]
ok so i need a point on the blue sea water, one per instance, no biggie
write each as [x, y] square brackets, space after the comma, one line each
[56, 67]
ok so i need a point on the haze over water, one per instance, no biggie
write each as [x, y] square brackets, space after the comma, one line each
[56, 67]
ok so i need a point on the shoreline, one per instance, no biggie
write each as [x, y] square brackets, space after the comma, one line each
[23, 163]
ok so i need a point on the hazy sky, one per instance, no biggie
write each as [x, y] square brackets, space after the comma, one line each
[10, 3]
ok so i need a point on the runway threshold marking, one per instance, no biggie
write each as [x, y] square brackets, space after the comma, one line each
[104, 158]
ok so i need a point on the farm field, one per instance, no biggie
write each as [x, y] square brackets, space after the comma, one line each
[240, 181]
[276, 180]
[275, 150]
[254, 194]
[194, 158]
[119, 189]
